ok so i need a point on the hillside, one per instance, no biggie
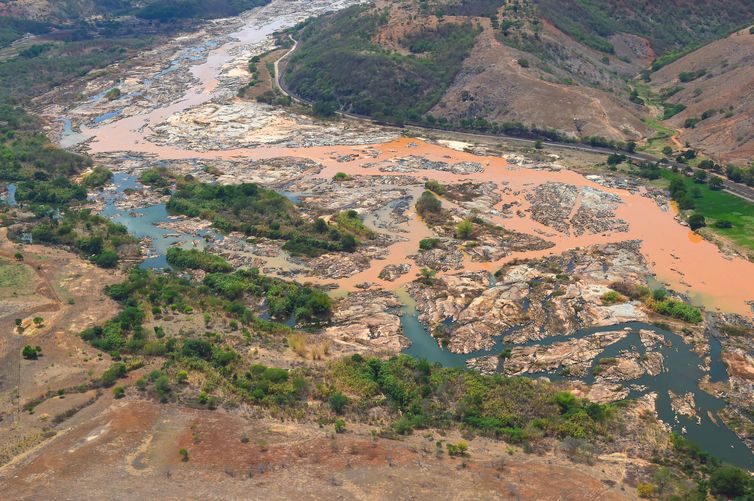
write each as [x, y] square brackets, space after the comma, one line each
[72, 10]
[536, 64]
[718, 94]
[45, 43]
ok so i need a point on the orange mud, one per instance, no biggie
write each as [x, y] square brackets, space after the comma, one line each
[682, 260]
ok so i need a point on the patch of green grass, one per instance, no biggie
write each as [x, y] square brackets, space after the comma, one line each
[16, 279]
[716, 205]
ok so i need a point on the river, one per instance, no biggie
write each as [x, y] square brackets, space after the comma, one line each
[687, 264]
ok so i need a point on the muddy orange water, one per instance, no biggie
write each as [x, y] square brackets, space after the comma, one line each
[686, 263]
[679, 258]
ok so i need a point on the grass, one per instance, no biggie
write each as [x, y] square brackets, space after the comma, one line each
[716, 205]
[16, 279]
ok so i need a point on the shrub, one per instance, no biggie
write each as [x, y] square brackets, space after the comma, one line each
[690, 123]
[671, 110]
[341, 176]
[730, 481]
[659, 294]
[428, 204]
[197, 260]
[435, 186]
[524, 63]
[631, 290]
[612, 297]
[340, 426]
[458, 450]
[184, 454]
[113, 94]
[715, 183]
[723, 224]
[162, 385]
[119, 392]
[338, 402]
[688, 76]
[697, 221]
[429, 243]
[31, 352]
[117, 370]
[464, 230]
[678, 309]
[616, 158]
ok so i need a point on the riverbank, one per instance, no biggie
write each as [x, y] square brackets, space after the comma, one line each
[180, 111]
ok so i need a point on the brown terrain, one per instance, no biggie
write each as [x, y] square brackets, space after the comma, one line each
[131, 451]
[534, 73]
[493, 85]
[727, 89]
[572, 88]
[67, 294]
[577, 235]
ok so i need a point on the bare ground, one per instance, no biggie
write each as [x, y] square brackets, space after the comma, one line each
[131, 451]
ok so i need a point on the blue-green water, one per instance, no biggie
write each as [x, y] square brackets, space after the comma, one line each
[682, 366]
[681, 375]
[141, 223]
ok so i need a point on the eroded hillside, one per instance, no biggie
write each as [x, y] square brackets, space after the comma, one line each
[498, 65]
[716, 85]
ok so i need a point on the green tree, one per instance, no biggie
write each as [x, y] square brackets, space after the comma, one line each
[616, 158]
[106, 259]
[730, 481]
[31, 352]
[697, 221]
[324, 109]
[715, 183]
[428, 204]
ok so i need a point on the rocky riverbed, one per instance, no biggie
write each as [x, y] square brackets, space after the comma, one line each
[547, 243]
[543, 298]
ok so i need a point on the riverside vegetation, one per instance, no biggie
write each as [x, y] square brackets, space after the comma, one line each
[47, 197]
[259, 212]
[201, 331]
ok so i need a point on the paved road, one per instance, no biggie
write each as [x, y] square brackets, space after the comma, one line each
[738, 189]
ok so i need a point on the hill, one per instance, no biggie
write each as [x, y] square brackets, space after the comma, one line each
[715, 84]
[502, 65]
